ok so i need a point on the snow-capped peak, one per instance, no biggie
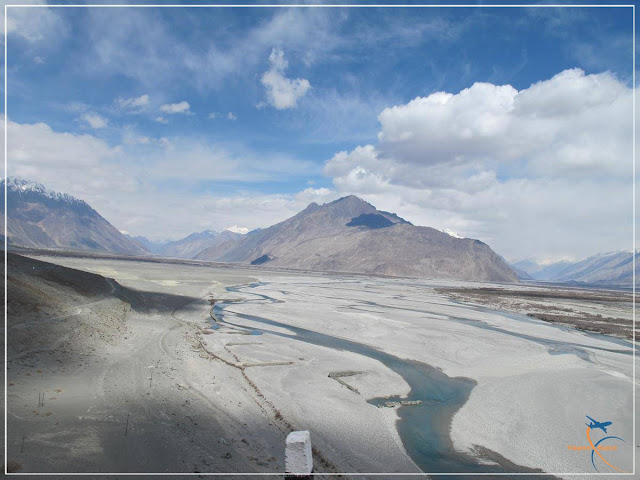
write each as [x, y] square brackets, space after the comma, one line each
[15, 184]
[451, 233]
[19, 185]
[236, 229]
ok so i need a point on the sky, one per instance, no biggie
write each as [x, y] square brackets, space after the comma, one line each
[509, 125]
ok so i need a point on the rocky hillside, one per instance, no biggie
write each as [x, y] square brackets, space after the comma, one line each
[351, 235]
[40, 218]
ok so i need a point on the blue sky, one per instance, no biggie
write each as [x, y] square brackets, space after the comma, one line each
[170, 120]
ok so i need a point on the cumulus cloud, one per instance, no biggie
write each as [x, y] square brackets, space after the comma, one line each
[162, 120]
[134, 104]
[531, 171]
[173, 108]
[282, 92]
[572, 121]
[94, 120]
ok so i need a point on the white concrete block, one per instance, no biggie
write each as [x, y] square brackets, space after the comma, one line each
[298, 456]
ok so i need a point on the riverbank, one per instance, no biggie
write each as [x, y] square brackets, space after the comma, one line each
[608, 312]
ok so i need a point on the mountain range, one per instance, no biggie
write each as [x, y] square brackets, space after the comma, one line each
[606, 269]
[347, 235]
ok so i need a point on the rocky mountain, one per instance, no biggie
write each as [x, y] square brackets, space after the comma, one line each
[606, 269]
[351, 235]
[40, 218]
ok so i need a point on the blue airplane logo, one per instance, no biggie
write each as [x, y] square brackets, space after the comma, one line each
[596, 424]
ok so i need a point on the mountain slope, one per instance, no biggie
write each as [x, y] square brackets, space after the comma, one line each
[612, 268]
[40, 218]
[351, 235]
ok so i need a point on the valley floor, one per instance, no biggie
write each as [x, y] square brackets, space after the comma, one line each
[141, 378]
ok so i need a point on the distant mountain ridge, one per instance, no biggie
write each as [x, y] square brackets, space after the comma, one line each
[351, 235]
[193, 244]
[188, 246]
[605, 269]
[41, 218]
[541, 271]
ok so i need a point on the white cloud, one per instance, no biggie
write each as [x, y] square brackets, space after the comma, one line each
[81, 165]
[282, 92]
[34, 24]
[94, 120]
[173, 108]
[231, 116]
[542, 171]
[212, 115]
[167, 174]
[134, 104]
[571, 122]
[162, 120]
